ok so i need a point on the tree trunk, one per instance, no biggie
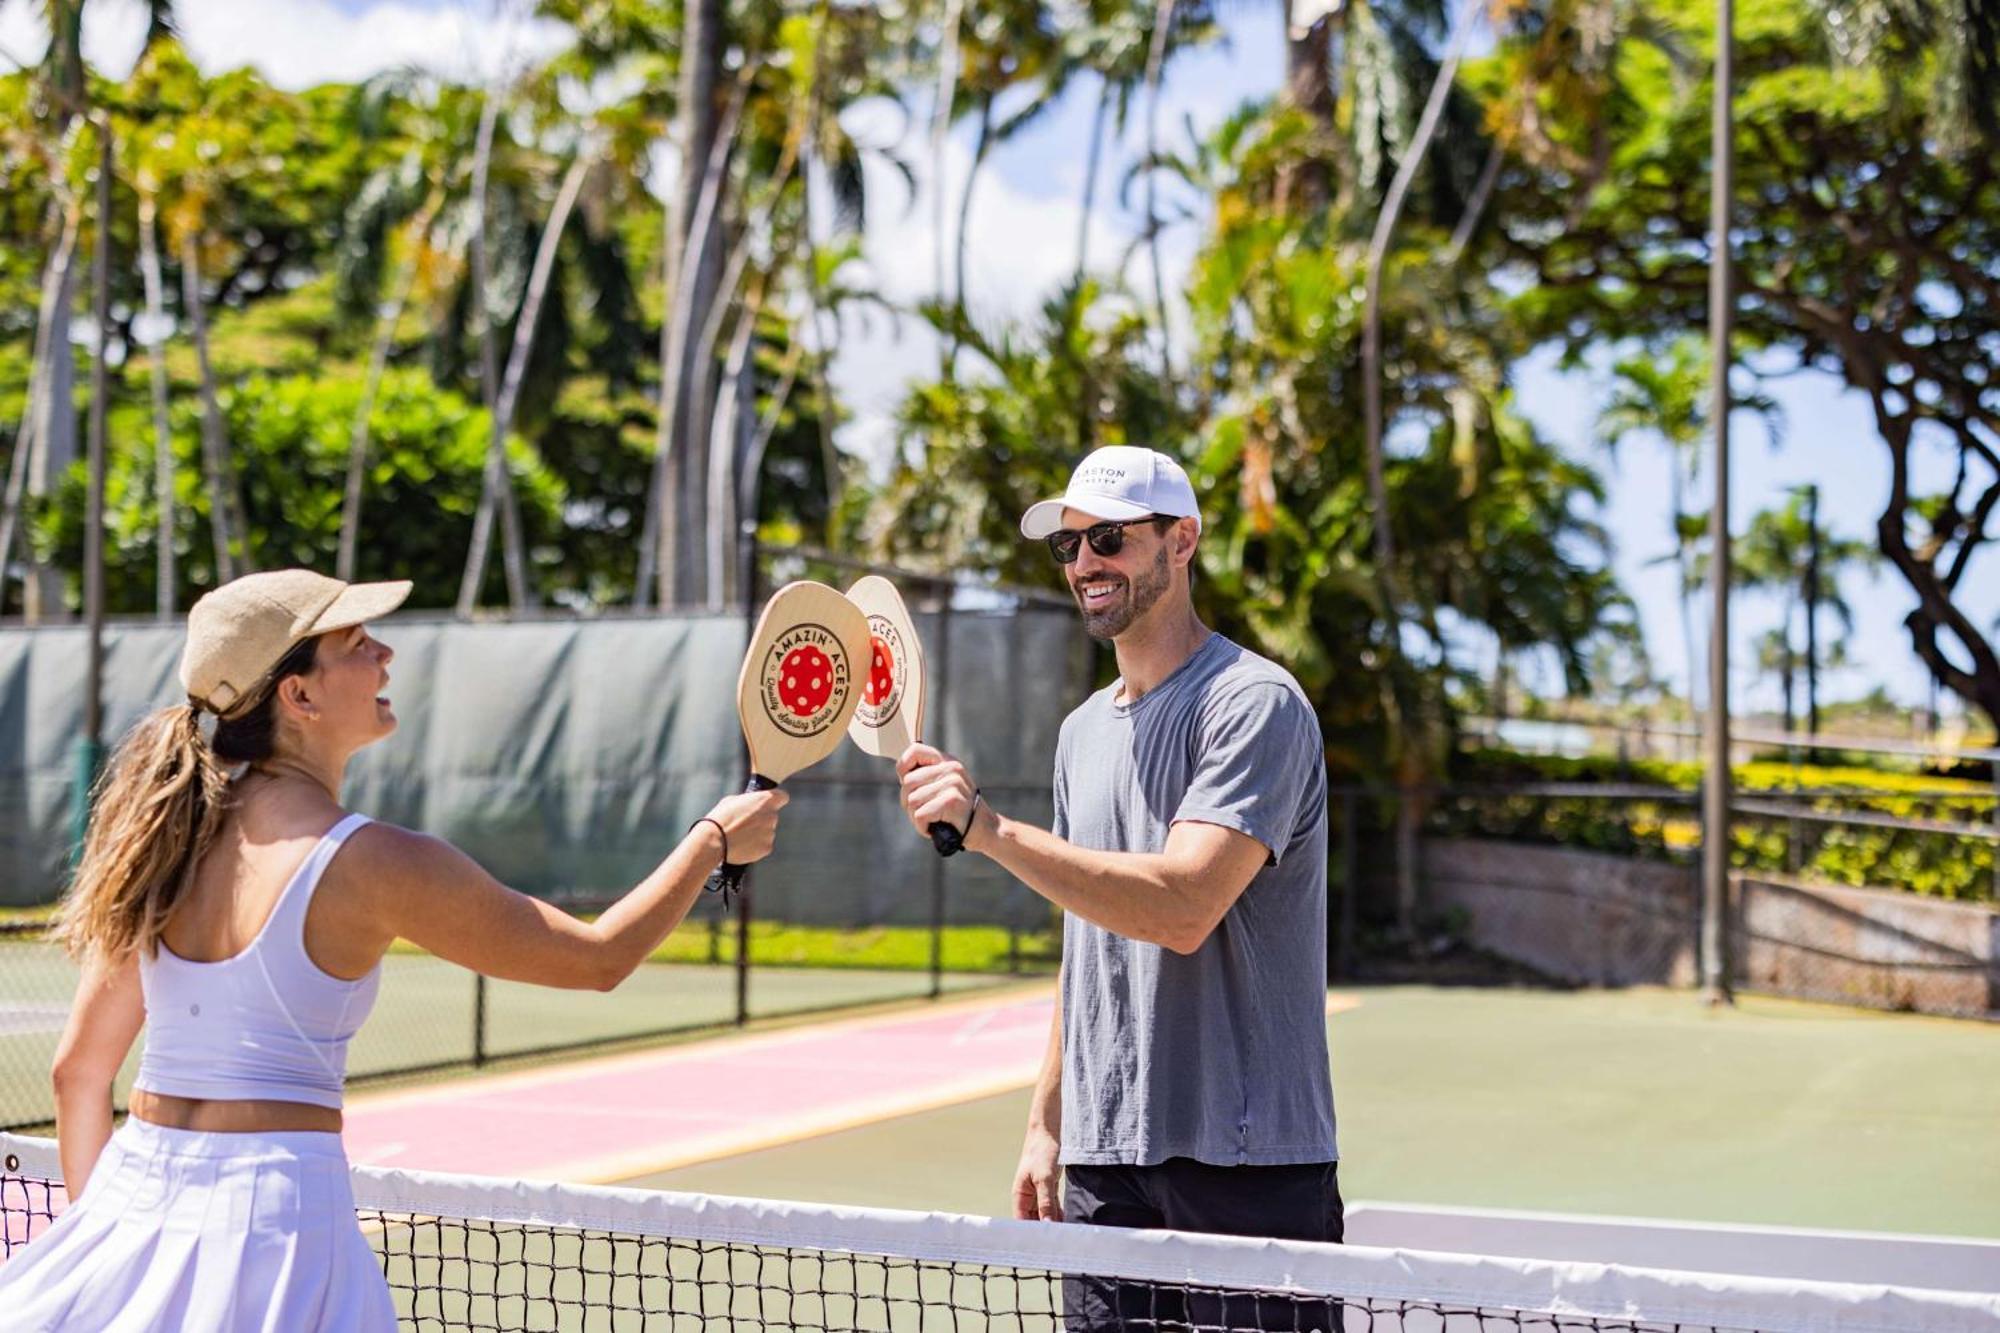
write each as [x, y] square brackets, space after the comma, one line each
[1409, 727]
[727, 445]
[689, 241]
[1090, 173]
[981, 147]
[1378, 250]
[357, 444]
[53, 409]
[942, 100]
[1409, 894]
[1156, 60]
[1790, 670]
[225, 503]
[497, 487]
[515, 562]
[1475, 207]
[166, 573]
[1304, 186]
[749, 471]
[1683, 565]
[694, 266]
[55, 277]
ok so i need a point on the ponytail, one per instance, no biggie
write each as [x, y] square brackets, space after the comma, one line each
[156, 811]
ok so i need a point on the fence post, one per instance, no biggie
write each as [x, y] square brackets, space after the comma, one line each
[934, 709]
[747, 544]
[478, 1019]
[1350, 886]
[1996, 829]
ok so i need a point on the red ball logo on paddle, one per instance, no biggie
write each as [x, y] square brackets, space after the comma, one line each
[805, 681]
[882, 695]
[808, 681]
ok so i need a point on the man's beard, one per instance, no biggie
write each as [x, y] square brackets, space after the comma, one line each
[1123, 611]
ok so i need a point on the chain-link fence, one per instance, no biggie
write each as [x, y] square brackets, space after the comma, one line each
[1856, 896]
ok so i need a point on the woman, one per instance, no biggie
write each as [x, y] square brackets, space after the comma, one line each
[226, 898]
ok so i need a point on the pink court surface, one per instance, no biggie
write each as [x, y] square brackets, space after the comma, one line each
[628, 1115]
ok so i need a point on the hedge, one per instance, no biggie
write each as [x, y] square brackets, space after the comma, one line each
[1942, 864]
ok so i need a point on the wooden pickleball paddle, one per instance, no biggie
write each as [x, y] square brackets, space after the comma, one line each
[893, 697]
[801, 681]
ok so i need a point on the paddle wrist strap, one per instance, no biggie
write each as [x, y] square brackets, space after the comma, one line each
[728, 876]
[720, 832]
[950, 841]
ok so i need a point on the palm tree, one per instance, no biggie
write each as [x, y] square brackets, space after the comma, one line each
[1782, 552]
[694, 271]
[1663, 392]
[163, 442]
[496, 482]
[396, 214]
[1005, 45]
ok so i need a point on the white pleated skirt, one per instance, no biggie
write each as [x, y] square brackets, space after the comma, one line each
[206, 1233]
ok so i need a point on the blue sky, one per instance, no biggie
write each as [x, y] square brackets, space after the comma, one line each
[1024, 226]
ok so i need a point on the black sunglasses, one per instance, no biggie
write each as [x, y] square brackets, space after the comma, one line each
[1106, 539]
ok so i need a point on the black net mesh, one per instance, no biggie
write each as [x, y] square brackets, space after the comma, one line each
[450, 1272]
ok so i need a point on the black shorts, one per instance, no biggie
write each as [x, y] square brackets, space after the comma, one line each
[1286, 1202]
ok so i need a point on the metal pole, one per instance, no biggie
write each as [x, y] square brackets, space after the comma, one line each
[1716, 787]
[747, 540]
[90, 745]
[934, 708]
[1350, 881]
[1812, 611]
[478, 1019]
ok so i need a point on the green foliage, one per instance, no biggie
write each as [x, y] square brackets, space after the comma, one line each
[291, 435]
[1863, 235]
[1936, 862]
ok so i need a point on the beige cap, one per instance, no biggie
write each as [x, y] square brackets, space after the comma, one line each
[243, 629]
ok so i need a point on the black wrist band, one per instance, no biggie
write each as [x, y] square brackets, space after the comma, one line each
[720, 832]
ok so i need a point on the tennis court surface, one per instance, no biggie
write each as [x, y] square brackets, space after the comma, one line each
[1470, 1109]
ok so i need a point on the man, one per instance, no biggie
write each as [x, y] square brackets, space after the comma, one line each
[1186, 1081]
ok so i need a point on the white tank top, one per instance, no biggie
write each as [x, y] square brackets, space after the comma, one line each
[264, 1024]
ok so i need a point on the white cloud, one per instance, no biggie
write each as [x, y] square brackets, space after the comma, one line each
[1022, 249]
[298, 43]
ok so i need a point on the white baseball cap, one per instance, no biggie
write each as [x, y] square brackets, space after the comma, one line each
[1117, 482]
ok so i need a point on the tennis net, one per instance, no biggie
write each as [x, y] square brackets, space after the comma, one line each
[473, 1253]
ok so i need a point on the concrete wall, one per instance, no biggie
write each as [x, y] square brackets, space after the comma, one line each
[1874, 947]
[1610, 920]
[1579, 916]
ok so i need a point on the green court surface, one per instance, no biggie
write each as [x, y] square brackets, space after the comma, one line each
[1636, 1103]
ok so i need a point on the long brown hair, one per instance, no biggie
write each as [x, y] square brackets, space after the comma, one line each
[156, 811]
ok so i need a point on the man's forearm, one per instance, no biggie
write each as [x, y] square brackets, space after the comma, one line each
[1133, 894]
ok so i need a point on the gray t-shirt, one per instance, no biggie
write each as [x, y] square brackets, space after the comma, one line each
[1219, 1055]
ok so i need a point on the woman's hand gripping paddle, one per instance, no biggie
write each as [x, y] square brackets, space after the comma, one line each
[801, 681]
[891, 717]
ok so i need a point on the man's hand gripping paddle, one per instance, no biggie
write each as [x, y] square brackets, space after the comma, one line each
[801, 681]
[891, 717]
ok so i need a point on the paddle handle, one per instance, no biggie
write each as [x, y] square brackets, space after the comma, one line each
[728, 877]
[948, 840]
